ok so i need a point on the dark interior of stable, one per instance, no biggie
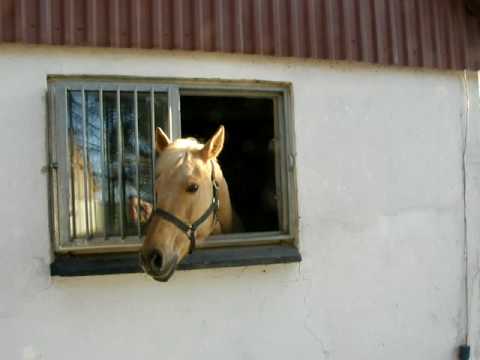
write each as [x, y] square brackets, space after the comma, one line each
[247, 159]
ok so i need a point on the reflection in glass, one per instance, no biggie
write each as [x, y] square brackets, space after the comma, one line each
[161, 111]
[145, 179]
[146, 174]
[95, 198]
[129, 159]
[110, 118]
[110, 186]
[78, 224]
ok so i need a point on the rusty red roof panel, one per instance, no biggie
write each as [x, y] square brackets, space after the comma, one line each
[425, 33]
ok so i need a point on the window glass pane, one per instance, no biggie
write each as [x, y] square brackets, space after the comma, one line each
[145, 146]
[161, 111]
[96, 200]
[107, 189]
[140, 198]
[77, 187]
[86, 199]
[112, 198]
[129, 159]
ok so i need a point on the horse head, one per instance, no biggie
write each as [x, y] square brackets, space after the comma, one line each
[192, 201]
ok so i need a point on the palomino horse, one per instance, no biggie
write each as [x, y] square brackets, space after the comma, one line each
[192, 202]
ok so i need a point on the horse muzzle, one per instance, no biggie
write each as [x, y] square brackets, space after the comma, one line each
[155, 265]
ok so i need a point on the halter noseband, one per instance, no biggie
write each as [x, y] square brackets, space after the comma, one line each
[190, 229]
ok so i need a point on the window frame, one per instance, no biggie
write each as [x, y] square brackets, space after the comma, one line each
[280, 93]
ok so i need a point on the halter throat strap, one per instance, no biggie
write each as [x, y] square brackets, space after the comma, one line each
[190, 229]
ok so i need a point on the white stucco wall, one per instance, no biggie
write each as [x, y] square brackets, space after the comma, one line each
[382, 228]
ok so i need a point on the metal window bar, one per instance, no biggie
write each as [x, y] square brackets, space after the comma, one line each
[69, 170]
[85, 166]
[137, 154]
[103, 136]
[174, 124]
[110, 199]
[120, 166]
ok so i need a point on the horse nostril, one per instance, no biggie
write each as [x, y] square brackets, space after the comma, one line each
[156, 261]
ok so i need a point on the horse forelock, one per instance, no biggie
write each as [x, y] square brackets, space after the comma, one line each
[187, 144]
[178, 155]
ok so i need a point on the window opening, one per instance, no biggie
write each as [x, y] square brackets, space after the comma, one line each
[247, 158]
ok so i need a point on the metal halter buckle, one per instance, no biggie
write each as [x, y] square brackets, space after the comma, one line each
[189, 231]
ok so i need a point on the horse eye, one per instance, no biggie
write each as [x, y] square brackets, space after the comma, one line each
[192, 188]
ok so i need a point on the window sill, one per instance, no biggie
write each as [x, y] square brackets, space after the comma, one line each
[124, 263]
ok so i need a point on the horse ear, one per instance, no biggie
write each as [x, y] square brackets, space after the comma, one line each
[214, 146]
[161, 139]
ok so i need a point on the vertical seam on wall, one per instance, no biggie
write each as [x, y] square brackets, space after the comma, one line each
[465, 223]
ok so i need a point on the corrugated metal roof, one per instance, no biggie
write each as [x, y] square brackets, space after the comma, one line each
[428, 33]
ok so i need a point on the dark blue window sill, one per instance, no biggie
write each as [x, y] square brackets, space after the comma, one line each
[124, 263]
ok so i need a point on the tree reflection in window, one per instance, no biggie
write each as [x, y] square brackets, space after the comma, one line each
[100, 200]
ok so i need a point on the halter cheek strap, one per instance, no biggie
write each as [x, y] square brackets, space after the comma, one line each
[190, 229]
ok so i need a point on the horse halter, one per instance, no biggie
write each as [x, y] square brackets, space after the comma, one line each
[190, 229]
